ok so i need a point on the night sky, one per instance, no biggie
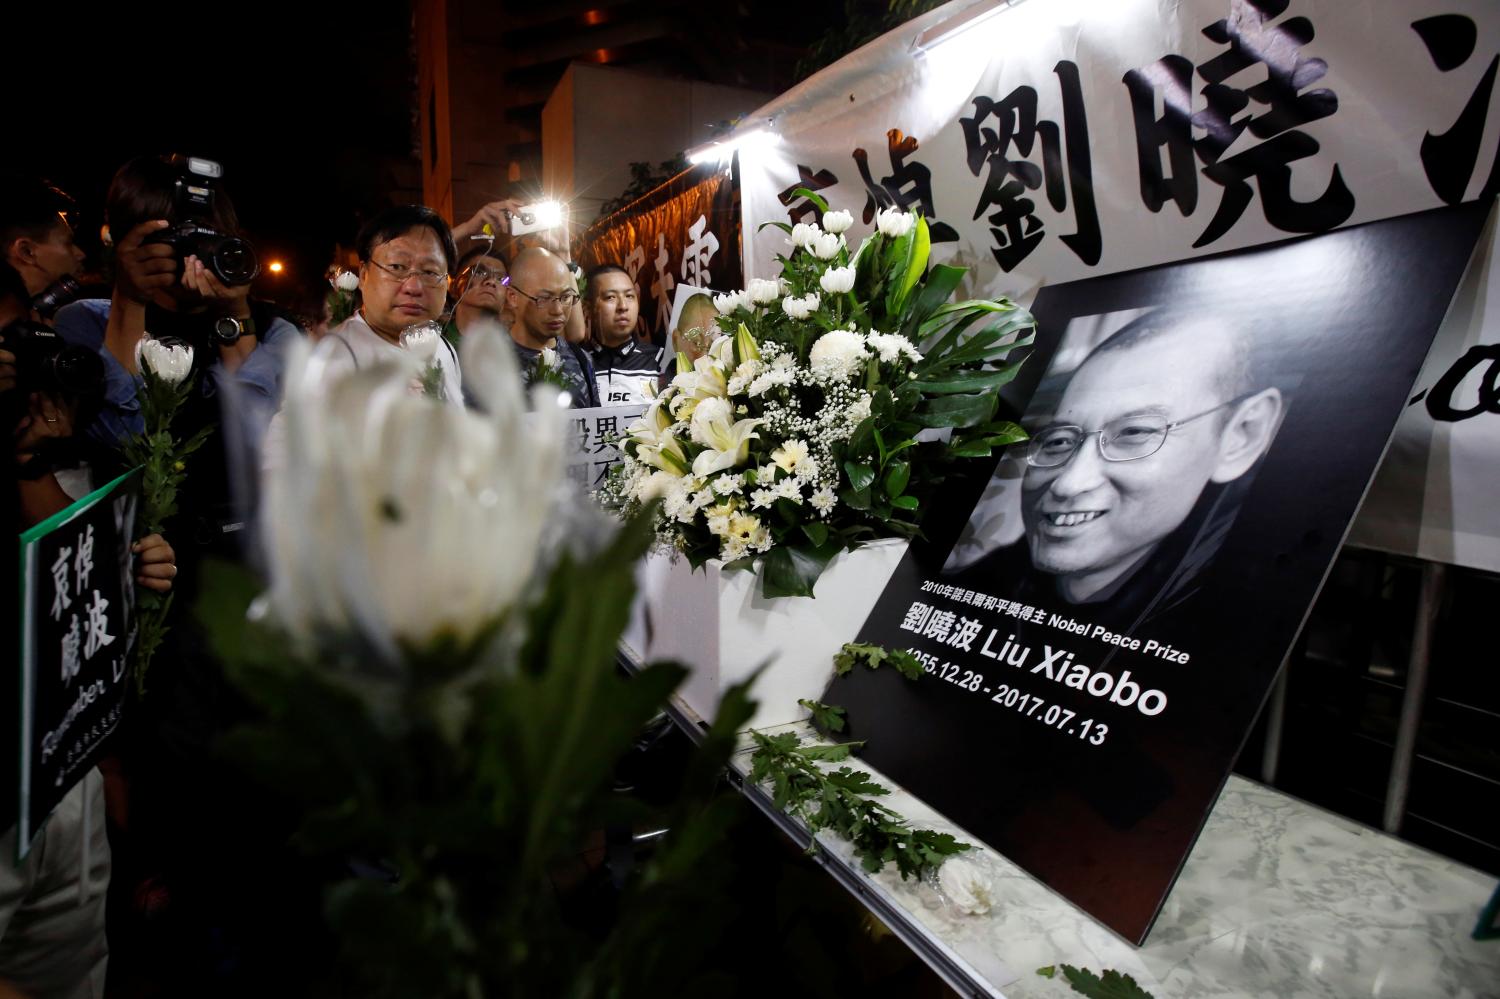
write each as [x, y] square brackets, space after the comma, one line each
[303, 104]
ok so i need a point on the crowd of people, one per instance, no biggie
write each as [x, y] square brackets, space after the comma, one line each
[160, 850]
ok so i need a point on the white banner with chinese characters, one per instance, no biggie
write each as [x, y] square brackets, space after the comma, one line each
[594, 436]
[1052, 140]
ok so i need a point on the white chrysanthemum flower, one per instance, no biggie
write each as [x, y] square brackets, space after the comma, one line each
[733, 550]
[807, 469]
[346, 281]
[763, 290]
[838, 355]
[895, 223]
[826, 246]
[823, 501]
[891, 347]
[837, 279]
[718, 526]
[789, 488]
[728, 485]
[790, 455]
[837, 221]
[762, 498]
[801, 308]
[968, 886]
[803, 234]
[170, 363]
[743, 376]
[761, 540]
[860, 411]
[730, 300]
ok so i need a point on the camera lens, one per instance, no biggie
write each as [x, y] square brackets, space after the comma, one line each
[78, 373]
[234, 261]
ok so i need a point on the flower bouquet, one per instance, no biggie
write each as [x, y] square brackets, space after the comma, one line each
[837, 399]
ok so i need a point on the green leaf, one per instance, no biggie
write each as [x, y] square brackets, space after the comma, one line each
[969, 381]
[940, 283]
[972, 449]
[907, 664]
[828, 754]
[816, 532]
[860, 476]
[813, 196]
[897, 475]
[793, 570]
[905, 502]
[856, 499]
[956, 410]
[828, 717]
[862, 438]
[1047, 972]
[1112, 985]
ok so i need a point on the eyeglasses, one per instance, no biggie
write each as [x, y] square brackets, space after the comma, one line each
[1129, 438]
[479, 273]
[428, 279]
[546, 299]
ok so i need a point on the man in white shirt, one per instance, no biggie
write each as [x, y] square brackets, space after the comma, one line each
[406, 257]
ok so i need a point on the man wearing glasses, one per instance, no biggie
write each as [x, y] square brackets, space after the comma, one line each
[406, 255]
[543, 298]
[1122, 498]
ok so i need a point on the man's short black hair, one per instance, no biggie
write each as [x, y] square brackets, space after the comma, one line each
[480, 252]
[31, 208]
[395, 222]
[143, 190]
[598, 272]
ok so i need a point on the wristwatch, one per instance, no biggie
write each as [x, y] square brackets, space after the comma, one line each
[228, 329]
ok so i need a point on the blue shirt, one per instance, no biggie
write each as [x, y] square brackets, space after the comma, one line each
[256, 384]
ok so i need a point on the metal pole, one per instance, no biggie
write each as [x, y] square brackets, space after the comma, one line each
[1434, 578]
[1275, 721]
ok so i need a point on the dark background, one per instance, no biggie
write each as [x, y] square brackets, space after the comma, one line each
[1108, 827]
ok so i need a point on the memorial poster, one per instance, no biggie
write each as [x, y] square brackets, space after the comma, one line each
[1103, 615]
[77, 600]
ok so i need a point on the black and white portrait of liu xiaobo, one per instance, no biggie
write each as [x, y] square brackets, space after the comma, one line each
[1146, 432]
[1103, 610]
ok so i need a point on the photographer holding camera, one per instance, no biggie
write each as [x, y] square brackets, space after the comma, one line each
[182, 273]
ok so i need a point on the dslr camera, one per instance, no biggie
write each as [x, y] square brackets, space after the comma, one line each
[46, 363]
[231, 259]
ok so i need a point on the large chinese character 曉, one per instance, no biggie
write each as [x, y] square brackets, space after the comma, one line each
[908, 185]
[1449, 159]
[1014, 225]
[700, 249]
[797, 207]
[661, 288]
[1283, 105]
[71, 641]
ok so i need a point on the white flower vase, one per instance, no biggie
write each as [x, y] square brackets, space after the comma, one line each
[718, 625]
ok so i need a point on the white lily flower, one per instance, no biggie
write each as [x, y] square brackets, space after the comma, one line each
[655, 444]
[894, 223]
[826, 246]
[837, 221]
[837, 279]
[726, 441]
[386, 517]
[170, 363]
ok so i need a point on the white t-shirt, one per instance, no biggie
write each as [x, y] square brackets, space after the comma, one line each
[352, 345]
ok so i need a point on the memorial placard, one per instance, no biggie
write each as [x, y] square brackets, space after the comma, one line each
[1103, 618]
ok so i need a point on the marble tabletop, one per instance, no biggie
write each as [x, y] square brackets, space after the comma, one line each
[1279, 898]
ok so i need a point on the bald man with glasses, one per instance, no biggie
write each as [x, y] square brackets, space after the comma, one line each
[543, 297]
[1120, 480]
